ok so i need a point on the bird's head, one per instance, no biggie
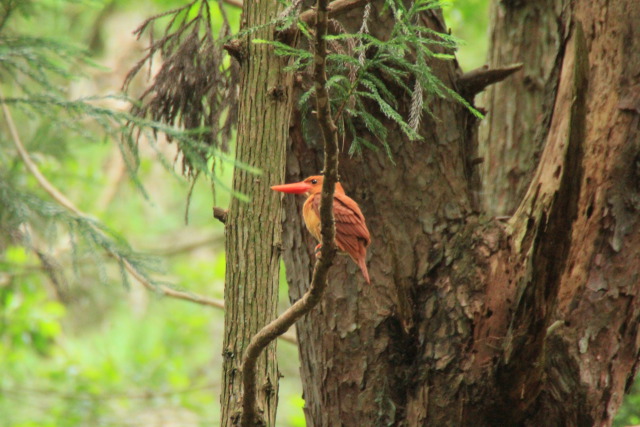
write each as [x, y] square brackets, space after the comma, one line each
[309, 186]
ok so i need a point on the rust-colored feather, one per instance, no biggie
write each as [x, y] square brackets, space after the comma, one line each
[352, 235]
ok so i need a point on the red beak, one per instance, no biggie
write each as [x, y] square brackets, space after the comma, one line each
[295, 188]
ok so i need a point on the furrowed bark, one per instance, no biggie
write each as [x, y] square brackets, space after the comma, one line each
[583, 276]
[597, 353]
[363, 347]
[519, 110]
[328, 251]
[541, 226]
[476, 322]
[253, 232]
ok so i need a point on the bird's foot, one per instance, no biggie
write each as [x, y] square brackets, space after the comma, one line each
[317, 250]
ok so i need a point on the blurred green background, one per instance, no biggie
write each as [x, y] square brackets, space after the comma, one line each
[81, 349]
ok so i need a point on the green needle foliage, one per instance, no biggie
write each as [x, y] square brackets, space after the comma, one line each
[36, 71]
[369, 75]
[193, 98]
[196, 87]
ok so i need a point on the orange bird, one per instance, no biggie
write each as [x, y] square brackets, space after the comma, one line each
[352, 235]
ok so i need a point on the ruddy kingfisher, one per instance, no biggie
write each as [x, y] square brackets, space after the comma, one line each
[352, 235]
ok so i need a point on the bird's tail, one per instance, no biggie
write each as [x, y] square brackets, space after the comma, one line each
[363, 266]
[358, 253]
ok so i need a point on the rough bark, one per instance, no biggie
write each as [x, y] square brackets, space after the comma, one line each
[518, 110]
[328, 251]
[598, 293]
[472, 321]
[590, 354]
[361, 350]
[253, 231]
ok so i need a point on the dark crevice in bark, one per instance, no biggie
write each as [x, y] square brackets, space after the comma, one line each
[564, 385]
[402, 354]
[421, 345]
[472, 162]
[551, 244]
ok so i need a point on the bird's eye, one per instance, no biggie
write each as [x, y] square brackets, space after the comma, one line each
[314, 181]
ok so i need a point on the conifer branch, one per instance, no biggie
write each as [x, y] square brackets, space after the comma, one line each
[318, 285]
[62, 200]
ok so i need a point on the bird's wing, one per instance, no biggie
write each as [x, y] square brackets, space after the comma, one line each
[352, 234]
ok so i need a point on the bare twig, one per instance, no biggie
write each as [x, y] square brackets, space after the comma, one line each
[167, 291]
[309, 16]
[475, 81]
[180, 248]
[46, 185]
[334, 8]
[319, 281]
[235, 3]
[220, 214]
[116, 171]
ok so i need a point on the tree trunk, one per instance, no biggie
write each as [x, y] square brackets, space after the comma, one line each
[519, 110]
[593, 359]
[253, 231]
[475, 321]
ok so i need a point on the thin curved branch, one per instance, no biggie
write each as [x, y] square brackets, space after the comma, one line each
[181, 248]
[24, 155]
[69, 205]
[319, 280]
[195, 298]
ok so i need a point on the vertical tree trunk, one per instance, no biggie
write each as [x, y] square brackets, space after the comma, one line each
[470, 321]
[363, 350]
[593, 359]
[253, 231]
[591, 353]
[519, 109]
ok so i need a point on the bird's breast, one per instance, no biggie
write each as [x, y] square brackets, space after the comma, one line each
[311, 219]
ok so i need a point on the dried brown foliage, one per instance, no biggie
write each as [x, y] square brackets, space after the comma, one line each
[195, 89]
